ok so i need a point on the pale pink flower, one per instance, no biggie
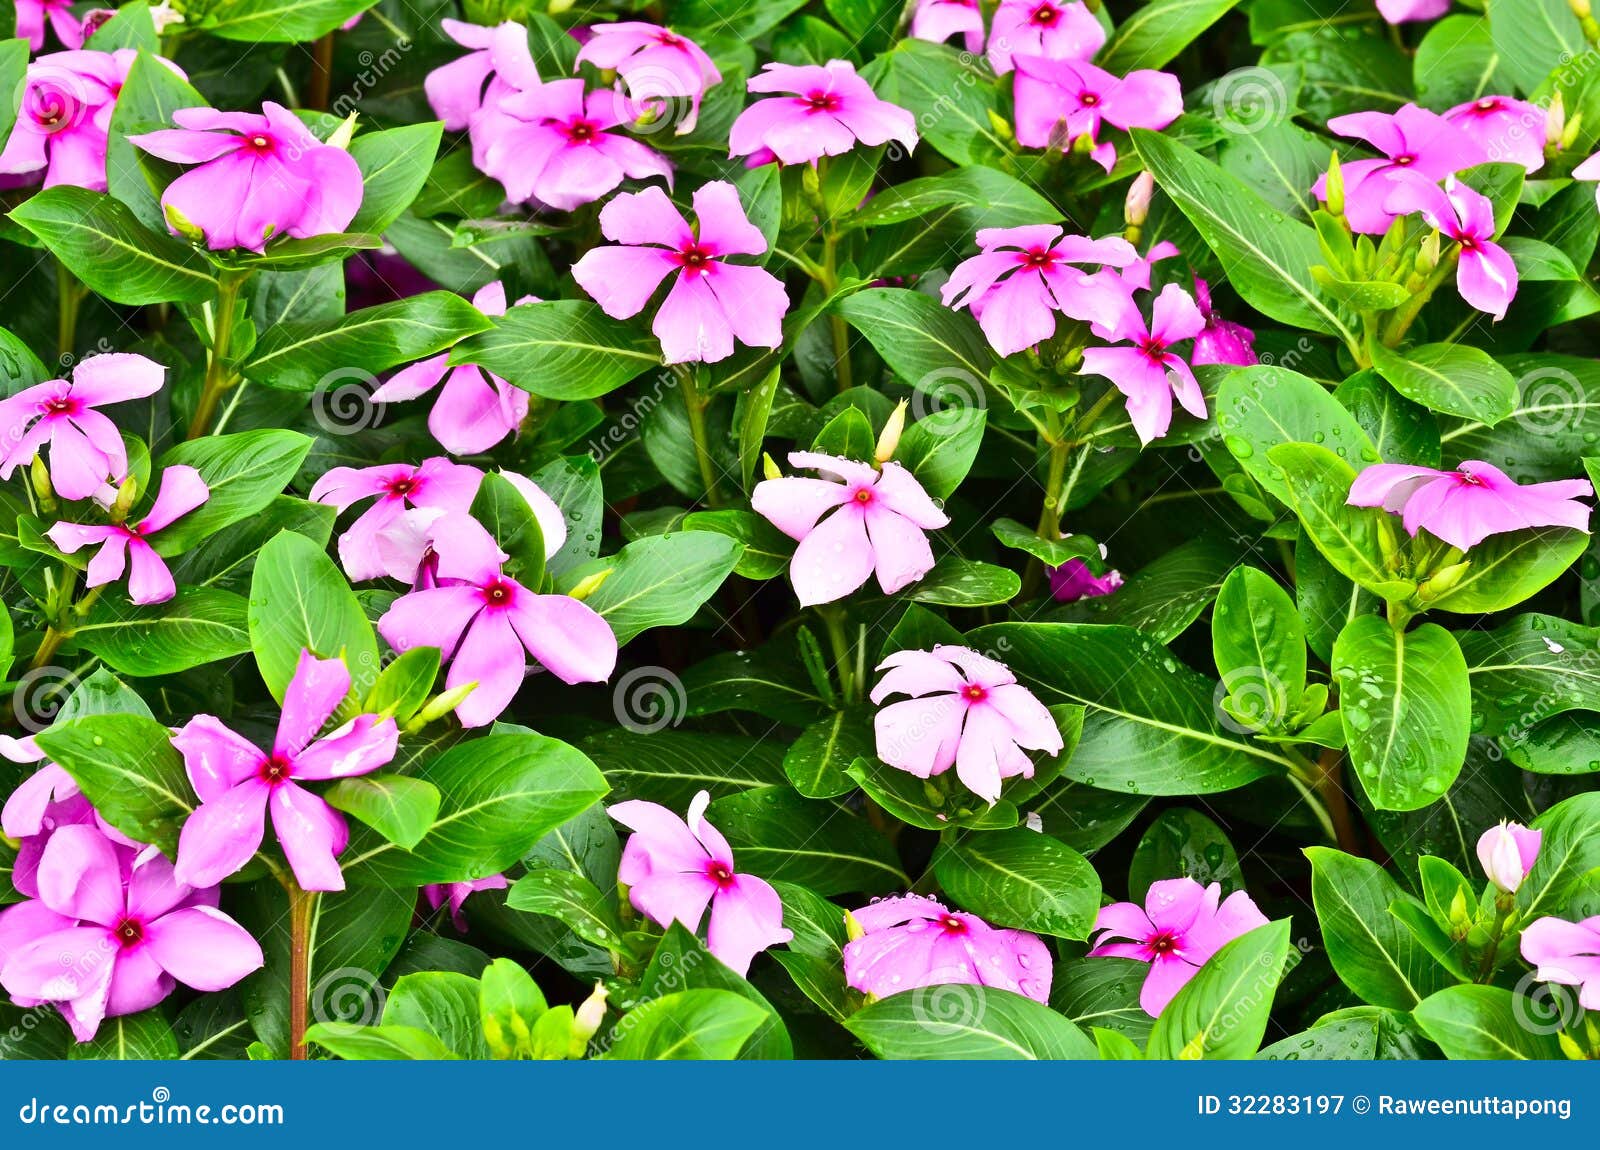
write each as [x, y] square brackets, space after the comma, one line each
[257, 177]
[31, 17]
[499, 62]
[1589, 170]
[877, 524]
[1221, 340]
[1412, 139]
[1567, 953]
[1061, 101]
[126, 547]
[1508, 130]
[86, 449]
[713, 302]
[1464, 506]
[938, 20]
[1179, 928]
[485, 624]
[1508, 852]
[455, 893]
[1409, 11]
[112, 931]
[966, 711]
[476, 408]
[828, 110]
[405, 545]
[912, 941]
[1024, 275]
[1485, 275]
[64, 117]
[1149, 373]
[674, 869]
[554, 144]
[660, 68]
[1046, 28]
[435, 483]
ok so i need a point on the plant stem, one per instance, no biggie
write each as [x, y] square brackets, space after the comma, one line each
[840, 329]
[69, 296]
[1330, 785]
[48, 646]
[302, 909]
[1049, 528]
[218, 378]
[695, 402]
[833, 620]
[1405, 315]
[321, 74]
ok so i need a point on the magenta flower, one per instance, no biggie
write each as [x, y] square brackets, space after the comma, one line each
[965, 710]
[456, 894]
[1510, 131]
[86, 448]
[938, 20]
[1411, 140]
[113, 931]
[1464, 506]
[1023, 276]
[1073, 580]
[878, 526]
[258, 177]
[1061, 101]
[127, 548]
[405, 545]
[1410, 11]
[47, 799]
[1149, 373]
[65, 116]
[1221, 340]
[1177, 930]
[456, 90]
[31, 17]
[673, 869]
[1485, 275]
[1044, 28]
[476, 409]
[435, 483]
[660, 68]
[554, 144]
[712, 302]
[911, 942]
[1567, 953]
[484, 621]
[828, 111]
[237, 782]
[1508, 853]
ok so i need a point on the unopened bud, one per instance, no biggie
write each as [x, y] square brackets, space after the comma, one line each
[1136, 208]
[852, 928]
[1002, 127]
[1574, 126]
[1580, 8]
[589, 584]
[586, 1021]
[889, 438]
[40, 475]
[1333, 187]
[126, 494]
[1555, 119]
[441, 705]
[185, 227]
[769, 467]
[811, 184]
[1507, 853]
[1442, 582]
[343, 133]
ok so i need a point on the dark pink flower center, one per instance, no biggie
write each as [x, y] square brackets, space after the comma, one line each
[1468, 479]
[695, 258]
[670, 39]
[820, 101]
[952, 925]
[1487, 104]
[1039, 258]
[403, 486]
[582, 132]
[129, 932]
[499, 592]
[1163, 943]
[973, 693]
[275, 769]
[259, 143]
[720, 873]
[1405, 160]
[863, 495]
[1154, 349]
[1045, 15]
[1088, 99]
[61, 405]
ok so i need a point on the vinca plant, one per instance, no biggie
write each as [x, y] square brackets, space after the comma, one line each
[800, 528]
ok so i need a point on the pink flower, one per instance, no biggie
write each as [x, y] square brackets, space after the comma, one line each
[112, 931]
[456, 894]
[1589, 170]
[65, 116]
[829, 110]
[912, 942]
[659, 67]
[1407, 11]
[1221, 340]
[483, 621]
[44, 801]
[237, 782]
[405, 545]
[1567, 953]
[554, 144]
[125, 548]
[712, 302]
[1485, 275]
[938, 20]
[1149, 373]
[1023, 276]
[435, 483]
[1061, 101]
[1508, 853]
[965, 710]
[1137, 274]
[86, 448]
[259, 177]
[476, 409]
[878, 525]
[1177, 930]
[1044, 28]
[1510, 131]
[673, 869]
[31, 16]
[1073, 580]
[1412, 140]
[500, 59]
[1464, 506]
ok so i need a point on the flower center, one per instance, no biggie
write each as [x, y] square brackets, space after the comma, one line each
[863, 495]
[721, 874]
[1405, 161]
[670, 39]
[1163, 943]
[821, 102]
[261, 143]
[498, 593]
[1487, 104]
[952, 924]
[403, 487]
[1088, 99]
[973, 693]
[1040, 258]
[1469, 479]
[1152, 348]
[1045, 15]
[129, 932]
[275, 770]
[60, 406]
[582, 132]
[694, 258]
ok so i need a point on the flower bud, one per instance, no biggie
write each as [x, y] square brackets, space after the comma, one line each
[342, 134]
[1507, 853]
[589, 584]
[586, 1021]
[1555, 120]
[1333, 187]
[441, 705]
[126, 494]
[1136, 208]
[40, 475]
[184, 226]
[889, 438]
[1002, 127]
[769, 467]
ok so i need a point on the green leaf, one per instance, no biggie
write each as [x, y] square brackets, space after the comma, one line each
[658, 581]
[1533, 38]
[1020, 878]
[957, 582]
[509, 1004]
[930, 347]
[682, 962]
[777, 834]
[394, 165]
[848, 434]
[1406, 703]
[1259, 644]
[13, 73]
[939, 449]
[1102, 993]
[198, 625]
[1401, 431]
[128, 768]
[1260, 407]
[950, 92]
[688, 1025]
[571, 898]
[959, 1022]
[299, 601]
[276, 21]
[1222, 1011]
[767, 550]
[816, 762]
[1506, 569]
[399, 808]
[1355, 540]
[1371, 951]
[1485, 1022]
[143, 1037]
[1451, 378]
[356, 1043]
[668, 767]
[1165, 596]
[1355, 1039]
[404, 685]
[563, 349]
[1568, 854]
[509, 518]
[1158, 31]
[243, 472]
[1050, 552]
[441, 1003]
[105, 246]
[1529, 669]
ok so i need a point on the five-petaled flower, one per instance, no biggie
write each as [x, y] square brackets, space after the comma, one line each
[1060, 102]
[1412, 139]
[827, 111]
[1150, 373]
[911, 941]
[1567, 953]
[435, 484]
[1485, 275]
[659, 67]
[1047, 28]
[1465, 506]
[126, 547]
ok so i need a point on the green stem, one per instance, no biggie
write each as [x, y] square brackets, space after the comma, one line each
[840, 329]
[695, 401]
[1405, 315]
[1049, 528]
[218, 378]
[1503, 906]
[1087, 420]
[302, 910]
[69, 297]
[833, 620]
[48, 646]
